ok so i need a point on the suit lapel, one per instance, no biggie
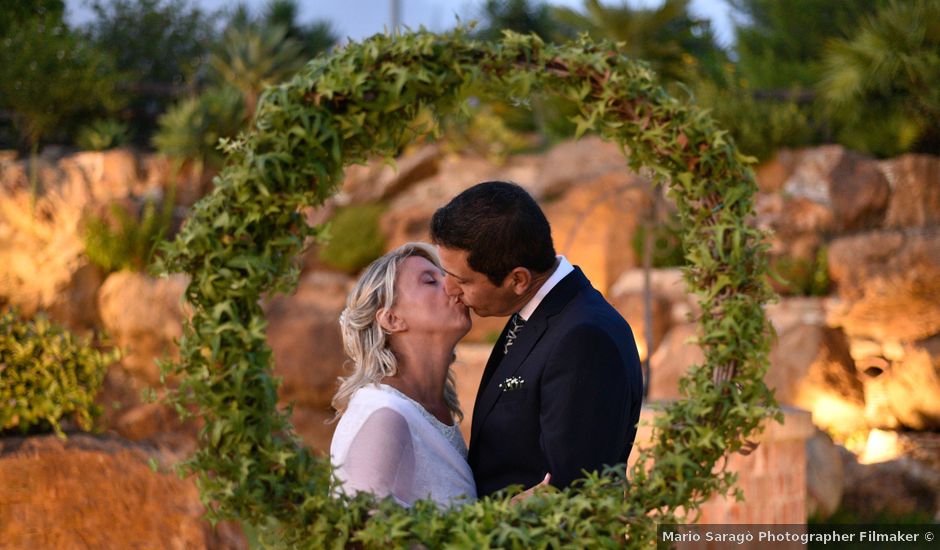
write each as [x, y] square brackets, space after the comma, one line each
[499, 368]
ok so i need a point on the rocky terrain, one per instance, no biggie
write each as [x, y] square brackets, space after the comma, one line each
[858, 323]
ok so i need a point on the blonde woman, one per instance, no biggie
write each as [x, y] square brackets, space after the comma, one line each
[398, 412]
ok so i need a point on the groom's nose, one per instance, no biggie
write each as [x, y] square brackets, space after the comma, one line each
[450, 287]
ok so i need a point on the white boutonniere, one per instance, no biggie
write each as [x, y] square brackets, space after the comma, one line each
[513, 383]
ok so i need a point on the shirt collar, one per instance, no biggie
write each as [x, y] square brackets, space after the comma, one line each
[562, 268]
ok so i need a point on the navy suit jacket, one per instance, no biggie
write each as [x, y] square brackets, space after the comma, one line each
[579, 404]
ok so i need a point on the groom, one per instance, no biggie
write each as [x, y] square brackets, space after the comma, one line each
[561, 391]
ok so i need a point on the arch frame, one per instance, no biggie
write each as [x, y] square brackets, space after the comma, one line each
[242, 241]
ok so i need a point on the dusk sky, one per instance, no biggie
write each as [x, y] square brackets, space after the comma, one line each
[358, 19]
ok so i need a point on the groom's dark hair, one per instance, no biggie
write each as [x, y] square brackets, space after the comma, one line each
[500, 226]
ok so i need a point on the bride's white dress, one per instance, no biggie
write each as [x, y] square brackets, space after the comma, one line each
[387, 444]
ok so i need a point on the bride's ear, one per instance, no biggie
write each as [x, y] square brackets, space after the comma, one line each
[390, 322]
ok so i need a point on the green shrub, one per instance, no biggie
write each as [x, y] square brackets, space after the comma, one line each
[47, 375]
[102, 134]
[354, 238]
[122, 241]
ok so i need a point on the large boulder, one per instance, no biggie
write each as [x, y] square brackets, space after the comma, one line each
[144, 316]
[593, 225]
[676, 354]
[915, 197]
[100, 492]
[304, 333]
[468, 370]
[797, 225]
[632, 306]
[824, 475]
[666, 284]
[811, 367]
[127, 414]
[851, 185]
[574, 162]
[888, 282]
[408, 217]
[379, 180]
[912, 387]
[899, 487]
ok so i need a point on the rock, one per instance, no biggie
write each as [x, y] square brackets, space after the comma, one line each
[809, 177]
[797, 225]
[667, 284]
[100, 492]
[859, 193]
[888, 282]
[773, 174]
[632, 307]
[190, 182]
[852, 185]
[672, 359]
[468, 370]
[593, 225]
[42, 262]
[915, 197]
[125, 413]
[788, 313]
[409, 215]
[912, 386]
[108, 174]
[381, 181]
[303, 331]
[315, 427]
[811, 367]
[144, 317]
[899, 487]
[824, 483]
[406, 224]
[574, 162]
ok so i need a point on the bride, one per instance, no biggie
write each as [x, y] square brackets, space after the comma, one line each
[398, 432]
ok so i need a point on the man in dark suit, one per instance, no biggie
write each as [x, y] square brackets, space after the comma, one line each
[562, 389]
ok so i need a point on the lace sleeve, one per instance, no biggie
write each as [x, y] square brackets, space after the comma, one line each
[381, 458]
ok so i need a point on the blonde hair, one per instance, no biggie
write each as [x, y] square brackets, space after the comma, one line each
[365, 342]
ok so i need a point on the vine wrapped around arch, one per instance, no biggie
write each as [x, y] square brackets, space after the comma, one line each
[243, 239]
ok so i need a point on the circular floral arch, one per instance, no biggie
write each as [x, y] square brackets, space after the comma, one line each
[243, 239]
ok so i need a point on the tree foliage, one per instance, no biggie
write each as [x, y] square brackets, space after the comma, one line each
[780, 44]
[678, 46]
[887, 75]
[244, 238]
[159, 46]
[48, 74]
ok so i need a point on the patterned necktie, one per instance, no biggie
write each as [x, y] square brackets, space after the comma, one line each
[516, 322]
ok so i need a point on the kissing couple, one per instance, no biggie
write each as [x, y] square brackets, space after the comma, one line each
[561, 391]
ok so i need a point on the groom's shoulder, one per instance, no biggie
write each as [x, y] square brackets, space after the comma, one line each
[590, 308]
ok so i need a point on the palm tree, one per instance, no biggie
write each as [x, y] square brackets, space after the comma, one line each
[251, 57]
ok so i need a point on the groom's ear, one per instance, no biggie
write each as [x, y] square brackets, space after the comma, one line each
[520, 279]
[390, 322]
